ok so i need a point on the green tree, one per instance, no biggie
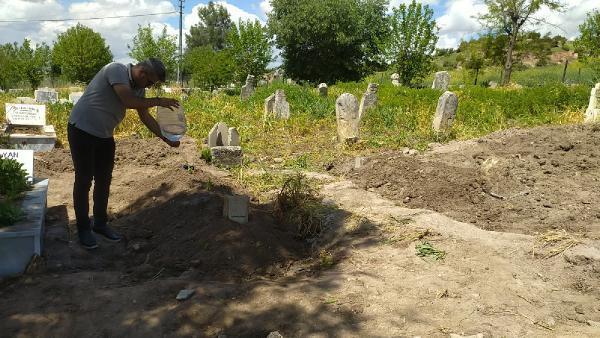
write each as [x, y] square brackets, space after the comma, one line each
[163, 47]
[508, 17]
[210, 69]
[80, 53]
[34, 64]
[412, 41]
[10, 74]
[213, 28]
[328, 40]
[250, 48]
[587, 45]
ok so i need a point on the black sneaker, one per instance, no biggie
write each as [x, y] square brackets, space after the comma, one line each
[107, 232]
[87, 239]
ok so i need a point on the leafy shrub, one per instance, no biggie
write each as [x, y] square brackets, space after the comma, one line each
[13, 179]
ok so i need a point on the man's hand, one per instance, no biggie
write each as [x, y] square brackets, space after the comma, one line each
[168, 102]
[173, 144]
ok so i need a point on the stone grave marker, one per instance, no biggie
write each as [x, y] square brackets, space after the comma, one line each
[369, 100]
[25, 157]
[441, 80]
[25, 114]
[224, 144]
[75, 96]
[323, 89]
[233, 139]
[348, 120]
[281, 108]
[290, 82]
[248, 89]
[593, 109]
[45, 95]
[445, 112]
[269, 104]
[235, 207]
[25, 100]
[395, 79]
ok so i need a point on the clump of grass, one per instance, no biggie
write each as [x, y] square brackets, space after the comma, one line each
[425, 249]
[326, 259]
[206, 155]
[298, 204]
[552, 243]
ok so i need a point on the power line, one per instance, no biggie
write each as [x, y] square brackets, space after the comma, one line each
[84, 19]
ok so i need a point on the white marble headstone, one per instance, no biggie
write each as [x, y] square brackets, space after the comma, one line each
[25, 157]
[25, 114]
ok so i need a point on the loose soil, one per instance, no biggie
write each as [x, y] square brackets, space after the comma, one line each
[514, 213]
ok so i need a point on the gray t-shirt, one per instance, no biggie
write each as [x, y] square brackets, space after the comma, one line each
[100, 110]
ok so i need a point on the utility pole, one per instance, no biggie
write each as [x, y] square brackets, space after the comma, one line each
[179, 77]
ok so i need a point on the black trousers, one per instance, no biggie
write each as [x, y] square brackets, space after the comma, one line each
[93, 159]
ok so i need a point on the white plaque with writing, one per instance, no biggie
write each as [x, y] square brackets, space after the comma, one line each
[25, 157]
[26, 114]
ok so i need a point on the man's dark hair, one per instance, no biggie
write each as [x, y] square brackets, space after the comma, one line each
[155, 66]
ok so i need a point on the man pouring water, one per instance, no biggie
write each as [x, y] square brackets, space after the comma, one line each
[115, 88]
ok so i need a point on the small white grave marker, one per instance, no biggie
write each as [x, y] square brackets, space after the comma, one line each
[25, 114]
[25, 157]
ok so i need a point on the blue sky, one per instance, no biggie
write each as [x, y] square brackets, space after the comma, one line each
[455, 18]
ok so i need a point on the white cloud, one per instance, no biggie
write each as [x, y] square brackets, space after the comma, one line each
[459, 22]
[265, 7]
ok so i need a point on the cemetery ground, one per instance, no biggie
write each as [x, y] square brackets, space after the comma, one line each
[497, 233]
[513, 211]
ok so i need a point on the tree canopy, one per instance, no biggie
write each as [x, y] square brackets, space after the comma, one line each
[250, 48]
[213, 28]
[328, 40]
[80, 53]
[412, 41]
[163, 47]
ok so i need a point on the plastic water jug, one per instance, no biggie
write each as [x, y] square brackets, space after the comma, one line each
[171, 122]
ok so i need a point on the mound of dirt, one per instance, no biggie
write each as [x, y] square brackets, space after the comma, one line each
[169, 204]
[526, 181]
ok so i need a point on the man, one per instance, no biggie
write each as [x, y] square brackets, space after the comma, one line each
[93, 119]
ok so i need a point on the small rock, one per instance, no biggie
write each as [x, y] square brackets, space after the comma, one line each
[579, 309]
[566, 146]
[593, 323]
[185, 294]
[550, 322]
[406, 199]
[278, 160]
[413, 152]
[275, 334]
[405, 151]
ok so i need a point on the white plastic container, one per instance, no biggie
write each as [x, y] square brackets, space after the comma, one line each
[172, 122]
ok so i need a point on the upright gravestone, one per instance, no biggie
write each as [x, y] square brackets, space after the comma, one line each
[27, 127]
[248, 89]
[348, 120]
[395, 79]
[269, 104]
[75, 96]
[46, 95]
[278, 74]
[369, 100]
[323, 89]
[24, 157]
[224, 144]
[281, 108]
[593, 109]
[441, 80]
[445, 112]
[290, 82]
[25, 100]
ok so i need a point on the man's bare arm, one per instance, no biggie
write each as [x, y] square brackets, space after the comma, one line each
[133, 102]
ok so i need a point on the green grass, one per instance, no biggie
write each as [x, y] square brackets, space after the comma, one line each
[402, 119]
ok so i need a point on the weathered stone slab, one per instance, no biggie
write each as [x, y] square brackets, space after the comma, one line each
[395, 79]
[593, 110]
[43, 139]
[369, 100]
[226, 155]
[233, 138]
[45, 95]
[249, 88]
[218, 135]
[281, 108]
[445, 112]
[75, 96]
[269, 104]
[441, 80]
[323, 89]
[348, 120]
[235, 207]
[25, 114]
[25, 100]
